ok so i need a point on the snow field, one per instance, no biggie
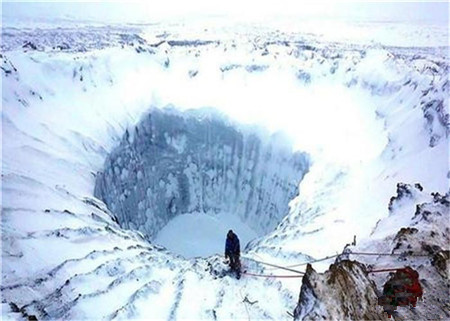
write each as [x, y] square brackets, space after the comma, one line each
[357, 110]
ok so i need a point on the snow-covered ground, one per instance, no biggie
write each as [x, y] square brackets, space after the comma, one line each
[370, 112]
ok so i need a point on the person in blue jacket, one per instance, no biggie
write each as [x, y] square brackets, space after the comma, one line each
[232, 252]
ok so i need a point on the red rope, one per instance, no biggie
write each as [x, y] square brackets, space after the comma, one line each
[273, 276]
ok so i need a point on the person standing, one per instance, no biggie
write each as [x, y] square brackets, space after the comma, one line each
[233, 252]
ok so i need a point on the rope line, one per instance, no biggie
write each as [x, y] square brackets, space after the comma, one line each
[272, 276]
[277, 266]
[289, 267]
[387, 254]
[315, 261]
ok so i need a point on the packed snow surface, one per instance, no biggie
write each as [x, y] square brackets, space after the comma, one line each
[368, 113]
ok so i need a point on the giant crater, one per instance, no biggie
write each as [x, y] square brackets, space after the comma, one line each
[198, 162]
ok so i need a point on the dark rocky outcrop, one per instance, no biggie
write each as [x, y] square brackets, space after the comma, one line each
[441, 261]
[344, 292]
[404, 191]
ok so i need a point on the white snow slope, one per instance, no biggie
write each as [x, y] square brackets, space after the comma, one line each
[368, 114]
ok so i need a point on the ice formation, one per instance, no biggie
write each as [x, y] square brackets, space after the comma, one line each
[173, 163]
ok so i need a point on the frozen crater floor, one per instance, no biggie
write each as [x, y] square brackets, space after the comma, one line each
[110, 163]
[202, 235]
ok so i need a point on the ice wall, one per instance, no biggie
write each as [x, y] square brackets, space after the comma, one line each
[175, 163]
